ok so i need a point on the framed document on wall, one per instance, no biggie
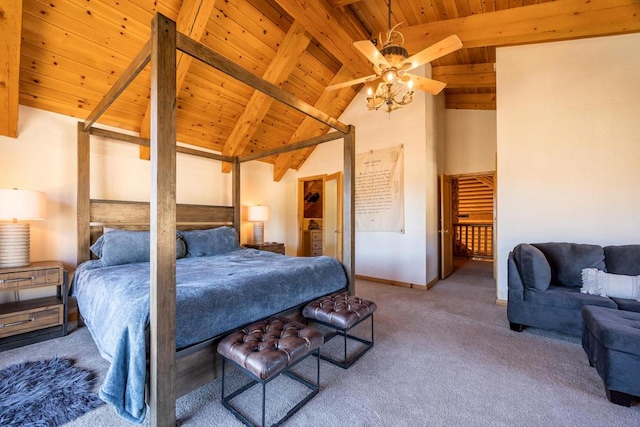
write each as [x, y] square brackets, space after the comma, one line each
[379, 203]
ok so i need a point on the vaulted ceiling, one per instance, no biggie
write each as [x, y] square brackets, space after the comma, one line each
[64, 55]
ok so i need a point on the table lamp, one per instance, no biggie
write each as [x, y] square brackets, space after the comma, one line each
[18, 205]
[257, 215]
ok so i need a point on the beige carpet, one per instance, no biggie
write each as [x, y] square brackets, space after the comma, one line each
[442, 357]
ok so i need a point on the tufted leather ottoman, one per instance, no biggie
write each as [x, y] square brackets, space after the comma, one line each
[611, 339]
[342, 313]
[265, 349]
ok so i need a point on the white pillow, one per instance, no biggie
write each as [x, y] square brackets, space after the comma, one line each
[597, 282]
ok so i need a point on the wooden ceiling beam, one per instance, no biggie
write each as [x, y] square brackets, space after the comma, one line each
[10, 36]
[191, 21]
[334, 29]
[341, 3]
[292, 47]
[310, 127]
[470, 101]
[465, 76]
[544, 22]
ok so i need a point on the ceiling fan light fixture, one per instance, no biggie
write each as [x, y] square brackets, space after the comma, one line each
[392, 86]
[394, 54]
[390, 96]
[390, 76]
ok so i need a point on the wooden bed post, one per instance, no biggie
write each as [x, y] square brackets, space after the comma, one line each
[235, 195]
[83, 194]
[348, 208]
[162, 310]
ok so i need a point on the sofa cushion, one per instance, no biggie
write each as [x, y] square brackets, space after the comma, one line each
[570, 298]
[533, 267]
[568, 259]
[627, 304]
[624, 259]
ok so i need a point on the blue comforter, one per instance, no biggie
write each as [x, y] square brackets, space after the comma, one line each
[214, 295]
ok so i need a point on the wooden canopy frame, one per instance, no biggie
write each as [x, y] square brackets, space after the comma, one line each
[160, 51]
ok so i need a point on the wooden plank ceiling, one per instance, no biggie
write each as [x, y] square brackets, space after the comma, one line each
[72, 51]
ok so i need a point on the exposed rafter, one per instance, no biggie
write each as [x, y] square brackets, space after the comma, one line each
[471, 101]
[293, 45]
[341, 3]
[466, 76]
[192, 21]
[10, 32]
[310, 127]
[334, 29]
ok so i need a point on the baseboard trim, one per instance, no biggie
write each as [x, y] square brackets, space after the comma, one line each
[396, 282]
[432, 283]
[501, 302]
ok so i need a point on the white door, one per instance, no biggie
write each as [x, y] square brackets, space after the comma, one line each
[333, 216]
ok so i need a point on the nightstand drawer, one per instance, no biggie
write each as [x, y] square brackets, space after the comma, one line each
[30, 279]
[31, 319]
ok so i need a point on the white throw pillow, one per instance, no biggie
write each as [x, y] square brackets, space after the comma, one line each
[598, 282]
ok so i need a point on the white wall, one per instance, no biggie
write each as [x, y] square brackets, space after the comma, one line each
[43, 158]
[568, 125]
[258, 188]
[410, 257]
[470, 141]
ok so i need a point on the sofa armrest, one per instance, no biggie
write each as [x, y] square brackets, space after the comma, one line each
[514, 280]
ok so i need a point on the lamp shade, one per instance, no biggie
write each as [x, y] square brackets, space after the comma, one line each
[22, 205]
[258, 213]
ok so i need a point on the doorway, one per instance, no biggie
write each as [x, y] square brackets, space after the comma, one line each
[320, 215]
[473, 216]
[467, 218]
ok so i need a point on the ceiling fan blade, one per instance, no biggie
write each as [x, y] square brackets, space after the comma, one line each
[372, 53]
[352, 82]
[442, 48]
[431, 86]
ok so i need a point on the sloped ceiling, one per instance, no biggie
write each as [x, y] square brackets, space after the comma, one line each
[64, 55]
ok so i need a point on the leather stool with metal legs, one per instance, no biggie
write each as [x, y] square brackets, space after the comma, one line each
[342, 313]
[264, 350]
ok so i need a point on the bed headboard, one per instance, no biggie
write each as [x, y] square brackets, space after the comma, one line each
[135, 216]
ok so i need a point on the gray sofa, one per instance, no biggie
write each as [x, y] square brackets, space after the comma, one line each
[545, 279]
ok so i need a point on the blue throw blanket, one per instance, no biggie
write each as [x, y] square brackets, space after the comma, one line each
[214, 295]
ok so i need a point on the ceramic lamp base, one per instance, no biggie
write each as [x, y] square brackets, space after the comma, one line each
[14, 245]
[258, 233]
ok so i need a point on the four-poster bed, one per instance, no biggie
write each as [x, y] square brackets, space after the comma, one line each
[172, 373]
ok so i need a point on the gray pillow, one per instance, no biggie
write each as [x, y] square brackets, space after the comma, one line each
[624, 259]
[116, 247]
[533, 267]
[567, 260]
[212, 241]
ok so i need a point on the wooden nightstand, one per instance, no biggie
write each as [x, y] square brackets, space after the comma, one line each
[277, 248]
[29, 321]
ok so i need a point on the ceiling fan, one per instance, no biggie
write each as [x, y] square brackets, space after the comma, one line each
[390, 65]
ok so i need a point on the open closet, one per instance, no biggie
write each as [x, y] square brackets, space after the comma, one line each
[320, 216]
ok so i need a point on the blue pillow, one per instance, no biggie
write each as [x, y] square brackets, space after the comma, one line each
[533, 267]
[568, 259]
[212, 241]
[117, 247]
